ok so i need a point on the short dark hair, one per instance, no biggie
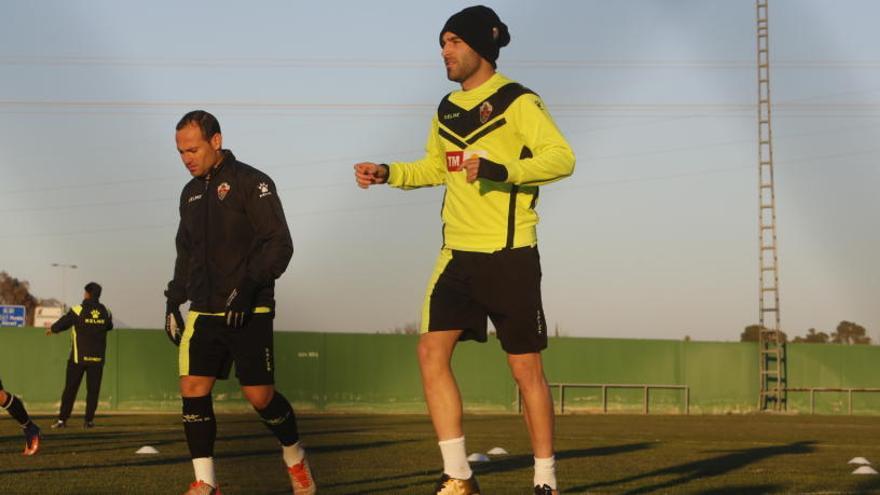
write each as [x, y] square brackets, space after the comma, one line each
[94, 290]
[206, 122]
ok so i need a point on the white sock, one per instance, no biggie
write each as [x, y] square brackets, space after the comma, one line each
[455, 462]
[545, 471]
[204, 468]
[293, 454]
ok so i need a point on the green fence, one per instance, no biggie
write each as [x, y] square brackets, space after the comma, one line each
[834, 366]
[367, 372]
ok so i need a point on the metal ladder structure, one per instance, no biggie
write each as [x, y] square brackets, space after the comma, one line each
[771, 339]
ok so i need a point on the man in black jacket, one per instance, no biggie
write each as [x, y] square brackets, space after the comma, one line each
[90, 322]
[232, 243]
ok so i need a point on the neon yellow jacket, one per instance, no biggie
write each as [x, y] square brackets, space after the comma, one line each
[520, 148]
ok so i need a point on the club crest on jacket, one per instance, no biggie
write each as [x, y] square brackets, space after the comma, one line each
[223, 190]
[485, 112]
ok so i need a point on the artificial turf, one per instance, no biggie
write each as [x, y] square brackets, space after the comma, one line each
[390, 454]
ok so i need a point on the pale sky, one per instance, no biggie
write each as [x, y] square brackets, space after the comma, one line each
[654, 236]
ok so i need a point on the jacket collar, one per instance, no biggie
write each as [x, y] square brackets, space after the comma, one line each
[228, 158]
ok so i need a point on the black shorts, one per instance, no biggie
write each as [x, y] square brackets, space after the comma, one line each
[1, 384]
[209, 348]
[505, 286]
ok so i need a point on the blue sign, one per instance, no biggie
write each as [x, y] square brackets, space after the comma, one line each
[12, 316]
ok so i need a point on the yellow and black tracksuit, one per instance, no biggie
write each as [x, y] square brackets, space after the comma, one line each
[89, 323]
[489, 265]
[521, 148]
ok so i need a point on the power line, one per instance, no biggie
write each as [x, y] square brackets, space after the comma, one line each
[864, 106]
[87, 231]
[139, 180]
[312, 162]
[560, 187]
[699, 173]
[730, 143]
[151, 200]
[335, 62]
[796, 103]
[376, 110]
[293, 214]
[271, 105]
[592, 159]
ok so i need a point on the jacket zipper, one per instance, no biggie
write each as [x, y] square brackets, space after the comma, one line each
[207, 251]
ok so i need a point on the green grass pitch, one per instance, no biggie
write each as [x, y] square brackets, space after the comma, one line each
[390, 454]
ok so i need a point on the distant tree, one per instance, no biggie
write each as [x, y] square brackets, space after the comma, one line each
[411, 328]
[687, 338]
[752, 333]
[850, 333]
[18, 292]
[813, 337]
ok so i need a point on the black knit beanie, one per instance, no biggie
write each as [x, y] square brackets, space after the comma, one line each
[474, 25]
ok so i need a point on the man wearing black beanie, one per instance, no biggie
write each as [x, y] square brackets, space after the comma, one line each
[481, 29]
[491, 144]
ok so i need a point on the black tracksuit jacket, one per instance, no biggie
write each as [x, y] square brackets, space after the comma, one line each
[90, 322]
[232, 233]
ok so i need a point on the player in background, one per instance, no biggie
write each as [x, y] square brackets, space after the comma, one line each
[491, 144]
[89, 323]
[232, 243]
[15, 407]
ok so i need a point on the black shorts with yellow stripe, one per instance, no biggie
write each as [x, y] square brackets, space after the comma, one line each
[209, 347]
[505, 286]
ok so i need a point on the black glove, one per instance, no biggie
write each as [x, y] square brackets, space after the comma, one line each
[173, 322]
[239, 304]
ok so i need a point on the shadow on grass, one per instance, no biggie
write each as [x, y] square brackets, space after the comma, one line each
[374, 479]
[66, 442]
[356, 446]
[122, 448]
[870, 485]
[87, 434]
[497, 465]
[12, 438]
[186, 459]
[743, 490]
[704, 468]
[92, 442]
[513, 463]
[408, 488]
[367, 422]
[314, 433]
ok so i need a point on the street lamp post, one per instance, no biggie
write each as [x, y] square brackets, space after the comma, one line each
[63, 267]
